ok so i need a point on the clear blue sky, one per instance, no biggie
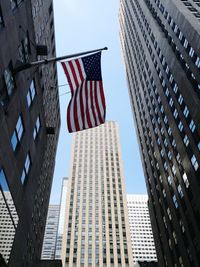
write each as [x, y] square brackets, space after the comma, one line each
[86, 25]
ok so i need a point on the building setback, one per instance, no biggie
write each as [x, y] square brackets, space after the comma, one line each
[143, 246]
[29, 123]
[96, 225]
[160, 43]
[50, 235]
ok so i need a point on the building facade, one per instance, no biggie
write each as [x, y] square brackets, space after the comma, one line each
[62, 214]
[146, 264]
[160, 43]
[50, 235]
[143, 246]
[29, 123]
[7, 227]
[96, 225]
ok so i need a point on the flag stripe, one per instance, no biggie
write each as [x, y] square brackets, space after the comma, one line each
[80, 121]
[102, 98]
[68, 117]
[71, 77]
[94, 87]
[81, 104]
[72, 115]
[73, 74]
[87, 106]
[68, 76]
[97, 102]
[92, 103]
[75, 111]
[80, 69]
[76, 73]
[84, 106]
[100, 102]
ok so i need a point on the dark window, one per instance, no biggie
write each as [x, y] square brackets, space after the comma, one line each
[24, 49]
[15, 3]
[1, 19]
[50, 9]
[9, 80]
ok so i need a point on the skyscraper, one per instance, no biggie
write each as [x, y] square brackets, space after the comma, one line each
[96, 225]
[50, 235]
[29, 123]
[8, 223]
[62, 214]
[143, 246]
[160, 43]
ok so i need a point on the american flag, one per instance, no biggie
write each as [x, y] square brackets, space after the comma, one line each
[87, 106]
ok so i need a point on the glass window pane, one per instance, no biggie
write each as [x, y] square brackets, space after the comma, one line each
[19, 128]
[3, 181]
[23, 176]
[34, 133]
[32, 89]
[14, 141]
[20, 132]
[19, 123]
[13, 4]
[38, 124]
[27, 164]
[28, 98]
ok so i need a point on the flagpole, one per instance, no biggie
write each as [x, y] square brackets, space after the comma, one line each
[54, 59]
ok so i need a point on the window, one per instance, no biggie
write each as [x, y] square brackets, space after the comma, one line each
[31, 93]
[50, 9]
[180, 126]
[186, 111]
[198, 145]
[1, 19]
[185, 179]
[9, 80]
[180, 191]
[192, 126]
[186, 140]
[169, 178]
[175, 113]
[24, 49]
[15, 3]
[17, 134]
[180, 99]
[36, 128]
[171, 102]
[174, 170]
[194, 162]
[26, 168]
[175, 88]
[175, 201]
[169, 214]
